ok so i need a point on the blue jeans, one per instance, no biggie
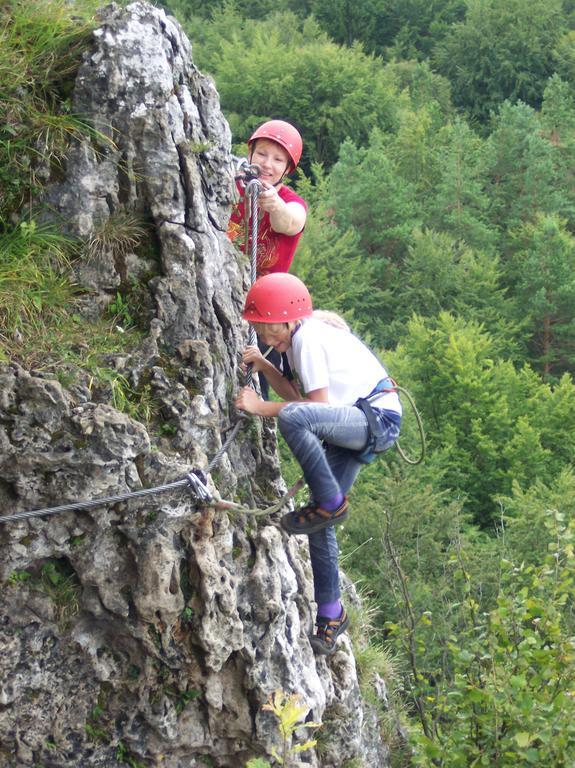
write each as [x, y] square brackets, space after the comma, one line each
[305, 427]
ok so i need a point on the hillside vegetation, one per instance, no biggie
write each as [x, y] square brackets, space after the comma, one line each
[439, 167]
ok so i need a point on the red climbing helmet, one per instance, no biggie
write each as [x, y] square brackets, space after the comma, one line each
[277, 298]
[283, 134]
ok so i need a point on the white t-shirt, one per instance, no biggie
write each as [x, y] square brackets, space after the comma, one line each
[325, 356]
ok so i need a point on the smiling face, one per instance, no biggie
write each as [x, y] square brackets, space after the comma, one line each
[272, 158]
[276, 335]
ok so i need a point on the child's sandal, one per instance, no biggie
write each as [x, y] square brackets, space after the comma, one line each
[313, 518]
[328, 630]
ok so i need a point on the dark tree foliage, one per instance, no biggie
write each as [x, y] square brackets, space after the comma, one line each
[247, 9]
[502, 50]
[396, 28]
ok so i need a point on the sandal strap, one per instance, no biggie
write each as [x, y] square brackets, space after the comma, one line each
[328, 629]
[307, 513]
[310, 511]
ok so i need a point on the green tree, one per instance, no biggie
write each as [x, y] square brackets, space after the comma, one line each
[525, 532]
[425, 526]
[564, 54]
[510, 697]
[413, 146]
[502, 50]
[558, 124]
[521, 170]
[247, 9]
[452, 369]
[281, 67]
[544, 283]
[347, 21]
[425, 87]
[369, 193]
[332, 264]
[405, 29]
[441, 273]
[460, 203]
[481, 413]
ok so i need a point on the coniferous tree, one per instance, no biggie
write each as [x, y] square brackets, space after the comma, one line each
[471, 402]
[370, 193]
[441, 273]
[332, 264]
[414, 148]
[460, 203]
[502, 50]
[544, 276]
[558, 124]
[521, 174]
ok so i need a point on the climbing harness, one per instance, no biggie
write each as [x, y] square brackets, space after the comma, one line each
[195, 480]
[376, 442]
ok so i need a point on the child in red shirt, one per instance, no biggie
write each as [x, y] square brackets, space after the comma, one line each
[275, 147]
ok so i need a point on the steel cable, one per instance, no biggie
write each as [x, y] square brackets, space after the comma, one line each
[195, 480]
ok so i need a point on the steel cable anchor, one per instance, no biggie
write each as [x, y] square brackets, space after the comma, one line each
[197, 483]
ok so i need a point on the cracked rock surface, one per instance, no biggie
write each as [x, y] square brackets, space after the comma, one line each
[151, 631]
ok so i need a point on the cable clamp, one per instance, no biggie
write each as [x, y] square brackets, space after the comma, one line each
[197, 482]
[246, 171]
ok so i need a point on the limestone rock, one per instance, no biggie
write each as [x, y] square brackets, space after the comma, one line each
[152, 631]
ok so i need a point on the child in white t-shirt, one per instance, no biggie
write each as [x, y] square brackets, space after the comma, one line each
[324, 428]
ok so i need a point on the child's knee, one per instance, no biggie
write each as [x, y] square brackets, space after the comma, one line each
[289, 417]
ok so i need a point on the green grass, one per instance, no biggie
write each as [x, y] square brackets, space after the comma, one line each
[75, 349]
[41, 43]
[376, 663]
[58, 581]
[46, 38]
[34, 262]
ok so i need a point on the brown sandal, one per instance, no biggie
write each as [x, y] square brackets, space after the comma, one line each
[313, 518]
[328, 630]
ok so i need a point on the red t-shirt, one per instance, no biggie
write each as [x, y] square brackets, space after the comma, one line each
[275, 250]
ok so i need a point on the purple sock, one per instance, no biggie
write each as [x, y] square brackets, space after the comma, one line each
[329, 610]
[330, 505]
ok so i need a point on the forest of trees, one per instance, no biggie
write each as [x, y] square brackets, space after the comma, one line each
[439, 168]
[439, 165]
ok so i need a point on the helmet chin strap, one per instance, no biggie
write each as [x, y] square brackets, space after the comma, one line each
[296, 329]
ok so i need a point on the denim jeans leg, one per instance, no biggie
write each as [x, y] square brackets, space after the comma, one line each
[323, 547]
[323, 551]
[327, 471]
[344, 465]
[305, 425]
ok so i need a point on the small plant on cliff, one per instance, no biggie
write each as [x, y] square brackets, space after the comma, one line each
[119, 234]
[123, 755]
[290, 712]
[59, 582]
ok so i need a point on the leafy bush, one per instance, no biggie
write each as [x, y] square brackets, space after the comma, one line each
[510, 699]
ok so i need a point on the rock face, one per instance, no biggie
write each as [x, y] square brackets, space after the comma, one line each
[151, 632]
